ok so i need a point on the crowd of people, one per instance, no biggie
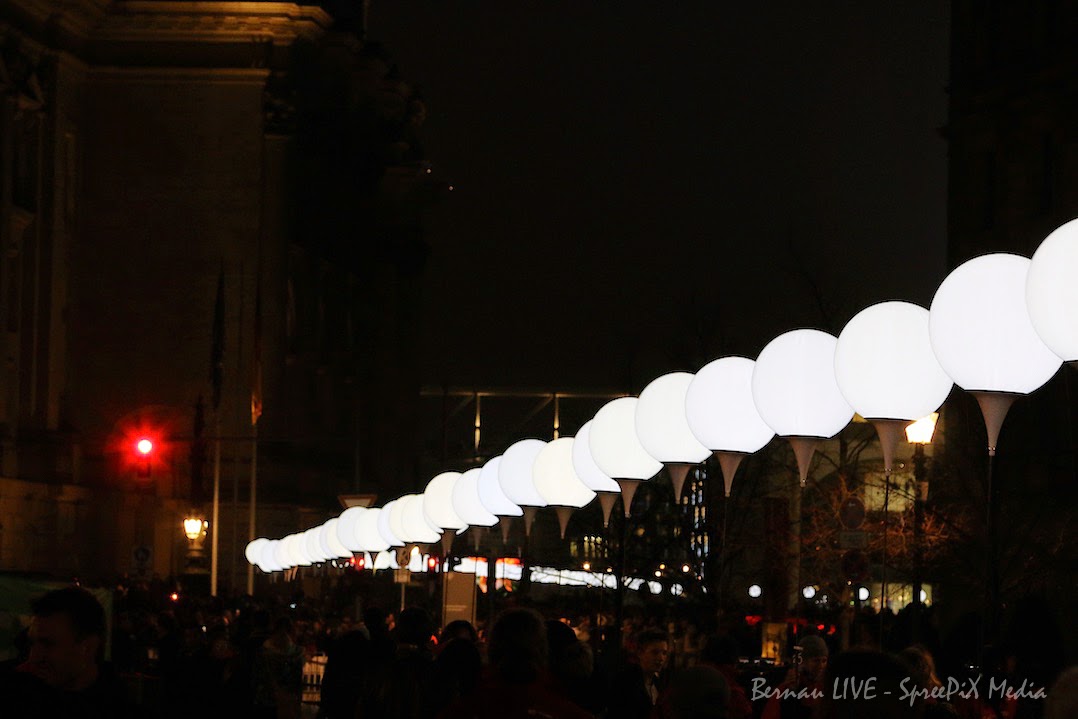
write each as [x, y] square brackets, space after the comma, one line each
[254, 660]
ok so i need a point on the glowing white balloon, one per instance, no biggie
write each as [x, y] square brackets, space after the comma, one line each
[438, 502]
[1052, 292]
[368, 531]
[555, 479]
[467, 503]
[515, 473]
[885, 366]
[794, 386]
[385, 526]
[331, 544]
[614, 446]
[416, 526]
[268, 556]
[491, 493]
[584, 464]
[346, 528]
[253, 550]
[981, 331]
[396, 517]
[313, 546]
[720, 410]
[661, 425]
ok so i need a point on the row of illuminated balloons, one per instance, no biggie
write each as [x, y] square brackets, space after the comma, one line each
[999, 325]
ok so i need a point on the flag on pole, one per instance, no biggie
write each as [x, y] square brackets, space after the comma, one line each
[217, 351]
[256, 374]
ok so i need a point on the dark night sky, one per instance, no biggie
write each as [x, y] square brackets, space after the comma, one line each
[641, 187]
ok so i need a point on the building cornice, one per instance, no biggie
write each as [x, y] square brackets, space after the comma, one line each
[144, 21]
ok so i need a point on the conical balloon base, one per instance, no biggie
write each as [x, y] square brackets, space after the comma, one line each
[529, 519]
[505, 523]
[628, 491]
[447, 541]
[994, 408]
[607, 500]
[564, 513]
[890, 433]
[729, 462]
[678, 472]
[804, 448]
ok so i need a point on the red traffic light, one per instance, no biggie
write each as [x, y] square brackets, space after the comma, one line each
[144, 446]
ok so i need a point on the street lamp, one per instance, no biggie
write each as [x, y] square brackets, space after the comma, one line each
[194, 527]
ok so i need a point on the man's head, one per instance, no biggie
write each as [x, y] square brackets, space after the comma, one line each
[652, 646]
[66, 636]
[518, 646]
[813, 658]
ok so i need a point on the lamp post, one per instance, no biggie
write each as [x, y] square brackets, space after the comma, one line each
[796, 393]
[919, 434]
[983, 337]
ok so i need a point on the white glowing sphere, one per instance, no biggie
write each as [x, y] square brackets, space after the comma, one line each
[584, 464]
[1052, 292]
[794, 386]
[467, 503]
[346, 528]
[280, 554]
[808, 592]
[515, 473]
[863, 594]
[416, 527]
[268, 556]
[491, 493]
[755, 591]
[297, 552]
[368, 532]
[554, 476]
[253, 550]
[614, 446]
[386, 560]
[981, 331]
[331, 544]
[396, 517]
[438, 502]
[385, 525]
[885, 365]
[720, 410]
[313, 546]
[660, 420]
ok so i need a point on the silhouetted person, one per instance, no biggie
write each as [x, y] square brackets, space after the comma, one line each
[455, 675]
[458, 629]
[798, 691]
[877, 680]
[1062, 701]
[699, 692]
[922, 668]
[518, 685]
[721, 653]
[401, 691]
[345, 678]
[64, 674]
[636, 688]
[278, 674]
[572, 667]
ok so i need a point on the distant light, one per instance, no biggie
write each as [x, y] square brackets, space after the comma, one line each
[685, 568]
[192, 527]
[658, 573]
[662, 566]
[144, 446]
[755, 591]
[808, 592]
[924, 596]
[292, 606]
[174, 597]
[587, 566]
[862, 594]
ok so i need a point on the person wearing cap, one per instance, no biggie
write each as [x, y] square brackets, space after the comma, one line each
[798, 696]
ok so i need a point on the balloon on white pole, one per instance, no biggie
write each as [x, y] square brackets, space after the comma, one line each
[416, 526]
[887, 371]
[313, 546]
[268, 556]
[722, 414]
[281, 556]
[469, 506]
[515, 477]
[331, 545]
[796, 394]
[253, 551]
[368, 531]
[346, 528]
[1052, 292]
[557, 481]
[663, 429]
[594, 478]
[983, 337]
[385, 525]
[617, 450]
[438, 508]
[494, 498]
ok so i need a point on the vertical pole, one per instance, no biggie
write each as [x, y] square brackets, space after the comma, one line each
[251, 505]
[215, 524]
[478, 424]
[918, 535]
[883, 572]
[557, 416]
